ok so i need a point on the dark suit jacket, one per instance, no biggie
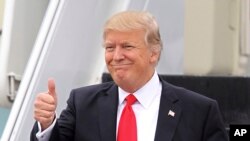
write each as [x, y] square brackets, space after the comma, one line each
[92, 111]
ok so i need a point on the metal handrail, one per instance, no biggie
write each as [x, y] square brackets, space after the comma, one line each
[14, 81]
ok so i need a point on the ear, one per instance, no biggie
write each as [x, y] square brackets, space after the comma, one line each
[154, 56]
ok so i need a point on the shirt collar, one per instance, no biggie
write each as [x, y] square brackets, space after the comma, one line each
[146, 94]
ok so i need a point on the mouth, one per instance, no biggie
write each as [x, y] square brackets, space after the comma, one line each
[120, 66]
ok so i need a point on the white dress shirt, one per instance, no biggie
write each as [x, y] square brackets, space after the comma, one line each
[145, 108]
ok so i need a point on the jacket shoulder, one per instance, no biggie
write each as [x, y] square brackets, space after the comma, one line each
[94, 88]
[184, 94]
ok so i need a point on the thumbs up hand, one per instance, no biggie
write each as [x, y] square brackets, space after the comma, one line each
[45, 106]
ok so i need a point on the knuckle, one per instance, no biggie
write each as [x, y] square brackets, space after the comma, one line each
[36, 103]
[53, 107]
[35, 112]
[36, 118]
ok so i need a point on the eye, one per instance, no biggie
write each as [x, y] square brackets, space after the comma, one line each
[128, 46]
[109, 48]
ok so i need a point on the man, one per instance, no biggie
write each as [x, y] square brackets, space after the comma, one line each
[159, 111]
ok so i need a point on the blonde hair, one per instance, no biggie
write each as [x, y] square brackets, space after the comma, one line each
[136, 20]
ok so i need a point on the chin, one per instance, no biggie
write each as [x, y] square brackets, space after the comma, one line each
[119, 78]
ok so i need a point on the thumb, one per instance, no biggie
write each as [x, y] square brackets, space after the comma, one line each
[52, 87]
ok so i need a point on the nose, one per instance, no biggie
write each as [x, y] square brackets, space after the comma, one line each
[118, 54]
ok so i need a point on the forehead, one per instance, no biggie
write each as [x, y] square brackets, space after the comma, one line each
[131, 36]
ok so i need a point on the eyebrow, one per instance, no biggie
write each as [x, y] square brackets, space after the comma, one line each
[123, 42]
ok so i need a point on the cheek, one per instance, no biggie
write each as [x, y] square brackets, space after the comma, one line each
[144, 58]
[108, 57]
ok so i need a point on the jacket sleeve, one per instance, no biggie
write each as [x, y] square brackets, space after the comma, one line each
[64, 129]
[33, 132]
[214, 127]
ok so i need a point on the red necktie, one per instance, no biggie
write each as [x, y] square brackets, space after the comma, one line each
[127, 130]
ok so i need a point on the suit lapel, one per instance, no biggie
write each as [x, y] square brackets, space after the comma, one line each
[169, 114]
[107, 108]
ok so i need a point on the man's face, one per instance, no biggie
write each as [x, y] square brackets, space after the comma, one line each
[130, 62]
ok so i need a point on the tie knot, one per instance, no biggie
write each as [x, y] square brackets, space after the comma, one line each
[131, 99]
